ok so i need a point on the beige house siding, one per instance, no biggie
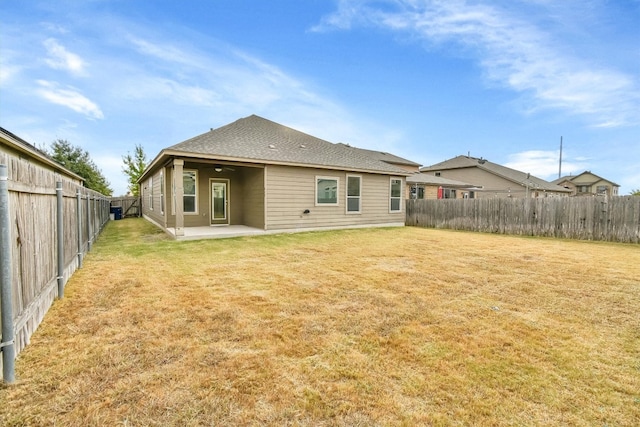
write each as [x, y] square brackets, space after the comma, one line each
[154, 214]
[253, 197]
[291, 191]
[593, 182]
[245, 196]
[493, 185]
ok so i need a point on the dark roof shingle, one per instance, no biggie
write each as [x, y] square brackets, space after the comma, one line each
[257, 139]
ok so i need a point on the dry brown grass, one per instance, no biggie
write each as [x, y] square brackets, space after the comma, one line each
[362, 327]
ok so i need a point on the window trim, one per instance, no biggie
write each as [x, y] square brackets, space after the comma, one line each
[195, 196]
[162, 192]
[347, 196]
[391, 198]
[173, 192]
[332, 178]
[150, 195]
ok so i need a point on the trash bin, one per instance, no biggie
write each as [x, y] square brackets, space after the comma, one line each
[116, 211]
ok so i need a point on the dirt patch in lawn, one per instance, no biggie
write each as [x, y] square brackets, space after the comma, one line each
[359, 327]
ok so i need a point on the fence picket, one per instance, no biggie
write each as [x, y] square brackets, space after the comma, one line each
[586, 218]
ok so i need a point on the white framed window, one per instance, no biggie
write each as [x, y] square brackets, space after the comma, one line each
[354, 193]
[151, 192]
[327, 190]
[395, 195]
[162, 192]
[190, 194]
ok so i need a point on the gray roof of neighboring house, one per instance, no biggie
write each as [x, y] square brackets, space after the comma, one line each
[573, 177]
[255, 139]
[34, 152]
[521, 178]
[425, 178]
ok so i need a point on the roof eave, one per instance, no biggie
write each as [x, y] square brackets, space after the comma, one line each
[24, 147]
[165, 154]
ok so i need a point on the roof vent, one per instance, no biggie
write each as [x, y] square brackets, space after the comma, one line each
[303, 146]
[482, 161]
[272, 147]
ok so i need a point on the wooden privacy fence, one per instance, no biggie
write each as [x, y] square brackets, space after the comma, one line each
[587, 218]
[130, 205]
[52, 223]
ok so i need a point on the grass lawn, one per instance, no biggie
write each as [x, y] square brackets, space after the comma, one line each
[402, 326]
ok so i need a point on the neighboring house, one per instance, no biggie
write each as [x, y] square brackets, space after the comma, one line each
[264, 175]
[14, 148]
[588, 184]
[496, 180]
[426, 186]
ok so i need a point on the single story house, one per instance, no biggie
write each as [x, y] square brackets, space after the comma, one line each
[588, 184]
[496, 180]
[426, 186]
[260, 174]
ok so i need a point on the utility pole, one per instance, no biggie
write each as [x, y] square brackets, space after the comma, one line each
[560, 165]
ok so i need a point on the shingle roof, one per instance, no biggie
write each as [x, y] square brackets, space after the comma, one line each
[513, 175]
[573, 177]
[257, 139]
[21, 145]
[424, 178]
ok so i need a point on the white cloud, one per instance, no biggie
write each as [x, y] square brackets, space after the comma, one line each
[512, 51]
[69, 98]
[545, 164]
[60, 58]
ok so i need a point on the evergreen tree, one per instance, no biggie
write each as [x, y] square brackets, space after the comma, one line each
[133, 167]
[78, 161]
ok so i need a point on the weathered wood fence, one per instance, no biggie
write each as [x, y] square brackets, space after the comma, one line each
[53, 222]
[130, 205]
[587, 218]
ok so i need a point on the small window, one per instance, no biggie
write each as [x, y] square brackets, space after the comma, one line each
[417, 192]
[151, 193]
[395, 195]
[584, 189]
[190, 195]
[437, 173]
[162, 192]
[326, 191]
[448, 193]
[601, 189]
[354, 189]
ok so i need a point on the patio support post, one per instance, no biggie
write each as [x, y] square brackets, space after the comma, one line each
[60, 238]
[178, 165]
[8, 334]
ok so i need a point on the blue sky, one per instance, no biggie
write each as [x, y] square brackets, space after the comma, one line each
[426, 80]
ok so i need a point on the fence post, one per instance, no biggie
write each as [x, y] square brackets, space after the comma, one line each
[8, 334]
[60, 224]
[89, 235]
[79, 220]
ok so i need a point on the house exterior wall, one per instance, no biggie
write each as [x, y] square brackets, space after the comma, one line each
[245, 196]
[152, 192]
[292, 190]
[493, 185]
[253, 197]
[594, 185]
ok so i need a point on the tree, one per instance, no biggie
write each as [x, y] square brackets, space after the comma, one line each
[133, 168]
[635, 192]
[79, 162]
